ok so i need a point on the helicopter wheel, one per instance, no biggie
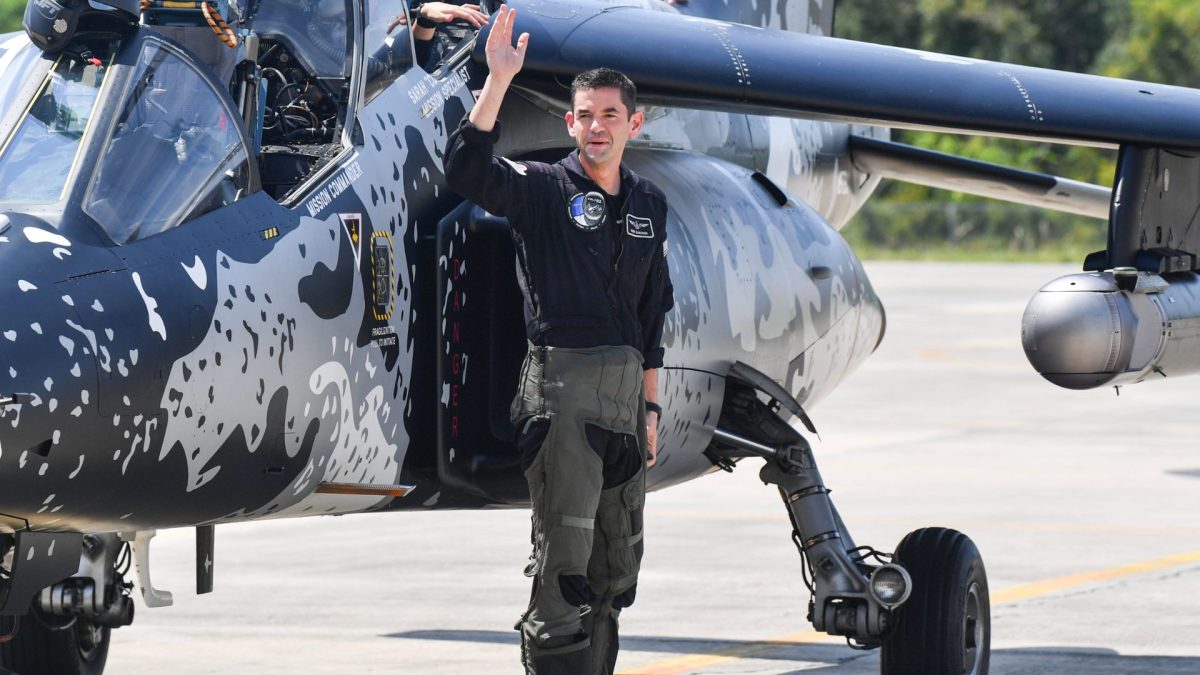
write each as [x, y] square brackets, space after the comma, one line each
[48, 645]
[945, 627]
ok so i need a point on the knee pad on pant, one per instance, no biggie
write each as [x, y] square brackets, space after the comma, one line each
[575, 589]
[625, 598]
[564, 655]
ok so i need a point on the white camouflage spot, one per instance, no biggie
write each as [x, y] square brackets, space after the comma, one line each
[156, 321]
[197, 273]
[40, 236]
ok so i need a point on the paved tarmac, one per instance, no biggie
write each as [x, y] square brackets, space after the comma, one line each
[1084, 505]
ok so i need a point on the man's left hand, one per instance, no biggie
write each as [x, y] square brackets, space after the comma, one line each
[651, 438]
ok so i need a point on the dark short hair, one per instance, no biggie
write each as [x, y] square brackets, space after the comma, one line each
[601, 78]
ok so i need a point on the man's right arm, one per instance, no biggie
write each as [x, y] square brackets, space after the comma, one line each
[471, 168]
[504, 62]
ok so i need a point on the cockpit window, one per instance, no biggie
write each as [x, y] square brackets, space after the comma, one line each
[387, 43]
[315, 30]
[175, 153]
[37, 156]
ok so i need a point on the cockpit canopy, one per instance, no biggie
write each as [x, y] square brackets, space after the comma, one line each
[133, 131]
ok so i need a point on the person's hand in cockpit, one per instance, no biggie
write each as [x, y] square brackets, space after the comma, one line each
[445, 12]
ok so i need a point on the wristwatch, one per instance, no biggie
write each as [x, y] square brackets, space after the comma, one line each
[422, 21]
[652, 407]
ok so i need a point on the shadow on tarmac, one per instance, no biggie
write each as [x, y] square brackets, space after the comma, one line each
[838, 659]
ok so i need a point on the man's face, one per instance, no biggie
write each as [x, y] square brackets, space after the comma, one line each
[601, 125]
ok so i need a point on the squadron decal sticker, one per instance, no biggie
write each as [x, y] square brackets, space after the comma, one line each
[352, 222]
[588, 211]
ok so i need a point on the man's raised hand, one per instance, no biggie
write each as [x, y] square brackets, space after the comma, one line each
[504, 61]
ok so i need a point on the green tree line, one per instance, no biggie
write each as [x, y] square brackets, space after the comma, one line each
[10, 15]
[1136, 39]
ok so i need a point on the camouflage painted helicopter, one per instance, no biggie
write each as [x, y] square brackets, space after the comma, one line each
[236, 286]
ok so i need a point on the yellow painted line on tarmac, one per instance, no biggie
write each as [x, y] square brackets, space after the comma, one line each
[1039, 588]
[690, 663]
[973, 525]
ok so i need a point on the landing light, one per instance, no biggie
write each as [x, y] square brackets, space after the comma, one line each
[891, 585]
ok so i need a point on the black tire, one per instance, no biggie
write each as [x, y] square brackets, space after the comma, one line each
[51, 646]
[945, 627]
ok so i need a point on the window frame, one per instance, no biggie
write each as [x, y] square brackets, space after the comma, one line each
[304, 190]
[412, 53]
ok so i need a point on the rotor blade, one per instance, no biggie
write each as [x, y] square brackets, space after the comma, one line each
[690, 62]
[949, 172]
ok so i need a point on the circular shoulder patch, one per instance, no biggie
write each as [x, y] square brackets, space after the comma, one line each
[588, 211]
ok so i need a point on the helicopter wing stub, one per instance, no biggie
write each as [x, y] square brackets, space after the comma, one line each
[690, 62]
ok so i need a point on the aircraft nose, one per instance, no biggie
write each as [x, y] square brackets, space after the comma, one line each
[47, 382]
[47, 369]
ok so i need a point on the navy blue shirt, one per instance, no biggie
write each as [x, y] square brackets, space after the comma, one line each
[592, 273]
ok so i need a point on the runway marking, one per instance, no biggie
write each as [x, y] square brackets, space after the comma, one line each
[691, 662]
[1024, 526]
[1033, 590]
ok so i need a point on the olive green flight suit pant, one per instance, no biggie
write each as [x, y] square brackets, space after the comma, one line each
[581, 421]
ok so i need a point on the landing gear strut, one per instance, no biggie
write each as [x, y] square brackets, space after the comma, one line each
[927, 605]
[64, 627]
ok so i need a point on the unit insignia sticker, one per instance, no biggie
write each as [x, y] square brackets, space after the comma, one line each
[353, 224]
[588, 211]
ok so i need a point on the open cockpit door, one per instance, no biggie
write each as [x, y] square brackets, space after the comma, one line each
[481, 342]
